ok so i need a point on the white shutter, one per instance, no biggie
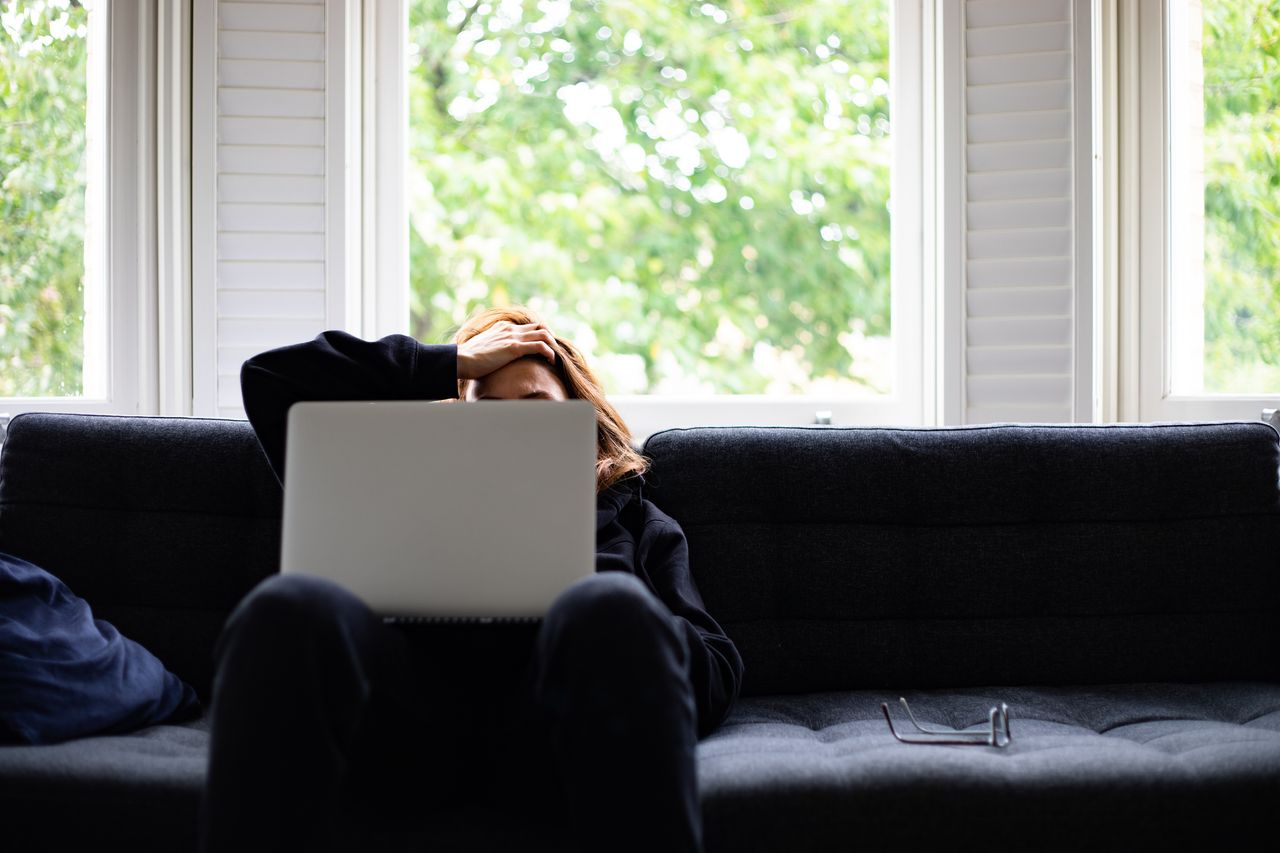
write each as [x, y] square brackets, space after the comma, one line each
[1026, 272]
[265, 282]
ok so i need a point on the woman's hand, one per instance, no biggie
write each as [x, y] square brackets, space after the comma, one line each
[501, 344]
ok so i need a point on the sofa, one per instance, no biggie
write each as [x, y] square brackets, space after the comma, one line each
[1117, 587]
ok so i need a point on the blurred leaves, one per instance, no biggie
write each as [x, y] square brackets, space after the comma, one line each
[696, 192]
[43, 55]
[1242, 195]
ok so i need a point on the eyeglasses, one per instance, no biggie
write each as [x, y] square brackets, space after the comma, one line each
[999, 726]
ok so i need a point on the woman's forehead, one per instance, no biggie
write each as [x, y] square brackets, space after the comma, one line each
[523, 377]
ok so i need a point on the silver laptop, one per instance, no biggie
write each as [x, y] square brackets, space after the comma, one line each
[442, 511]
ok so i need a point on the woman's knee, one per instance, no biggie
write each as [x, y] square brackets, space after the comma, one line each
[612, 609]
[290, 608]
[607, 598]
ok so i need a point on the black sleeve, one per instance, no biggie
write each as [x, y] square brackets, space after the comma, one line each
[715, 667]
[339, 366]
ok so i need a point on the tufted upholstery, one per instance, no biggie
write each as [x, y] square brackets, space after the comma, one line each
[1086, 763]
[1154, 761]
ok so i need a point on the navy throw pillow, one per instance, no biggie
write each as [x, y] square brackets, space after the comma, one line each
[64, 674]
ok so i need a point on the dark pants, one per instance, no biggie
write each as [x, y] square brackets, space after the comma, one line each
[333, 730]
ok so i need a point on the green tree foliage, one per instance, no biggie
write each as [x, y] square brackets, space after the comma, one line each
[43, 53]
[696, 191]
[1242, 195]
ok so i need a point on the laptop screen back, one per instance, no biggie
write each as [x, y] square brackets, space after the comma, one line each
[483, 509]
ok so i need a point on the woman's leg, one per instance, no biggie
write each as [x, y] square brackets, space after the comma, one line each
[309, 699]
[611, 681]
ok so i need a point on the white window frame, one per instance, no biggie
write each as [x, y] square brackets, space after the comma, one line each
[1135, 102]
[129, 296]
[385, 237]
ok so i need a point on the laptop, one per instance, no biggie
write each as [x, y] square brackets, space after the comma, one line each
[442, 511]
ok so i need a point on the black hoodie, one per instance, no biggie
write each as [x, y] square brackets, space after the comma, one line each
[632, 535]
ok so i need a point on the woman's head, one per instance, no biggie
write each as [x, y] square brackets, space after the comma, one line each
[533, 377]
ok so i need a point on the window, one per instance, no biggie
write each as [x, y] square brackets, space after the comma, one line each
[699, 193]
[1206, 212]
[70, 162]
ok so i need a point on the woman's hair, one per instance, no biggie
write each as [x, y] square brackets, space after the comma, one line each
[616, 459]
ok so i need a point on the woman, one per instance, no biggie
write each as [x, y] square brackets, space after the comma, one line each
[330, 727]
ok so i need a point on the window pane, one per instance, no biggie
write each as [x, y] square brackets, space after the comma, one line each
[696, 192]
[1225, 110]
[44, 174]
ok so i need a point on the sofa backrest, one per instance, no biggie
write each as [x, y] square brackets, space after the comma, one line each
[843, 558]
[836, 558]
[161, 524]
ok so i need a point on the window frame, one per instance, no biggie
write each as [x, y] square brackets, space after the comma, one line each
[129, 212]
[1137, 105]
[384, 242]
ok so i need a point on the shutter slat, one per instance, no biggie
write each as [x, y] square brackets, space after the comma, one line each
[1018, 414]
[265, 246]
[271, 159]
[1036, 213]
[1018, 302]
[1030, 38]
[1021, 243]
[267, 333]
[995, 186]
[1015, 127]
[283, 189]
[1018, 68]
[247, 275]
[241, 130]
[1024, 390]
[271, 17]
[276, 304]
[250, 73]
[1016, 97]
[1019, 156]
[287, 46]
[1020, 272]
[1018, 331]
[1006, 360]
[302, 218]
[270, 102]
[1005, 13]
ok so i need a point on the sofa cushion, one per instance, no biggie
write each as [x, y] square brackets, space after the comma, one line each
[136, 792]
[1143, 762]
[1155, 759]
[845, 558]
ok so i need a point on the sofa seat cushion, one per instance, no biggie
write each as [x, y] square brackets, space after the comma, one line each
[1127, 761]
[139, 791]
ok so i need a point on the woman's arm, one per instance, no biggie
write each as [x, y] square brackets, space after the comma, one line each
[339, 366]
[715, 667]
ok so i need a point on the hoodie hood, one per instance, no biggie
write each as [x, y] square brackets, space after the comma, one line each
[610, 502]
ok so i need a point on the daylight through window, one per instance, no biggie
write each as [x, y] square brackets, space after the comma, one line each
[698, 193]
[1224, 120]
[52, 317]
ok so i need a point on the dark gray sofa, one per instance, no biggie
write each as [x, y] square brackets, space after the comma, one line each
[1117, 586]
